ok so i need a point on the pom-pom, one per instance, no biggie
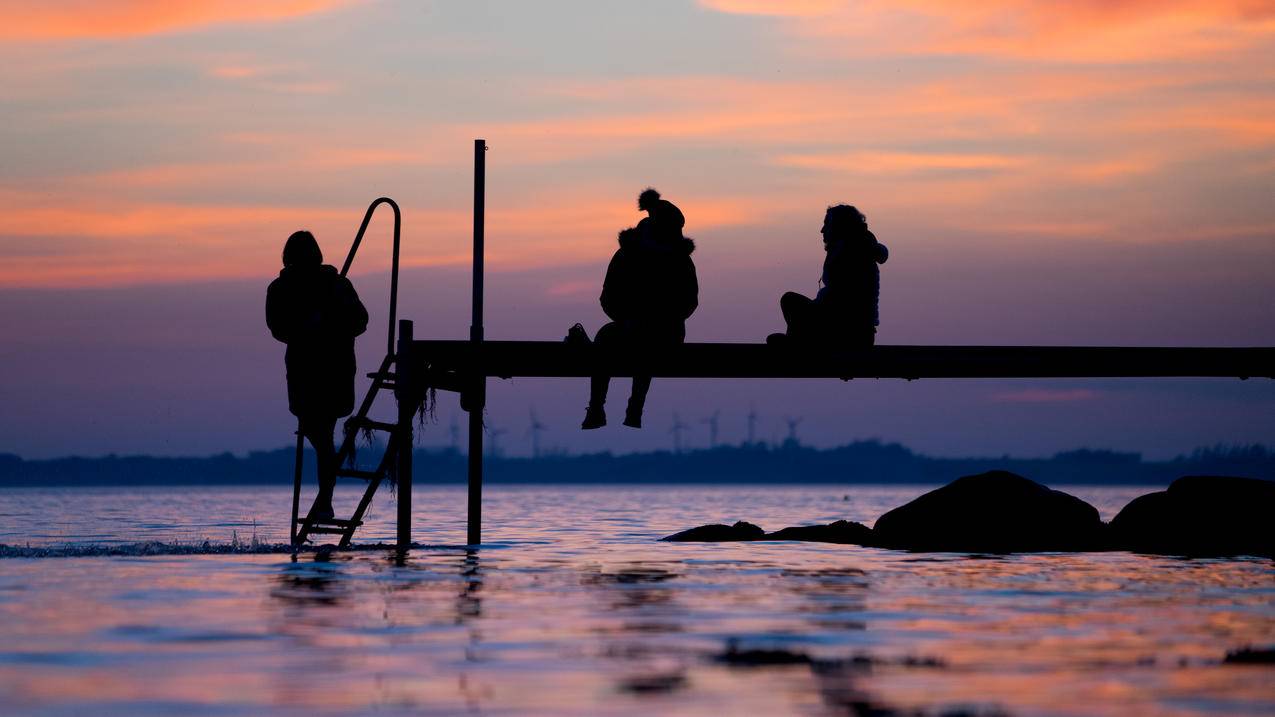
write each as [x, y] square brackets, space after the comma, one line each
[648, 198]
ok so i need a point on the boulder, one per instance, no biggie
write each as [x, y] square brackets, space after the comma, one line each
[1250, 656]
[842, 531]
[1200, 516]
[718, 533]
[993, 512]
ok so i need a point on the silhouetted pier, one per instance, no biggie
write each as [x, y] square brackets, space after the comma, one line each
[555, 359]
[464, 367]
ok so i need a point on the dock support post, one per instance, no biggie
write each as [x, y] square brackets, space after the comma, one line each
[478, 401]
[407, 396]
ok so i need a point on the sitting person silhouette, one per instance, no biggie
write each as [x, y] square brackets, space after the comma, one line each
[316, 312]
[649, 291]
[845, 311]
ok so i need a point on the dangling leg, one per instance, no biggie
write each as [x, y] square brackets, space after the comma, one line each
[663, 335]
[319, 433]
[595, 415]
[637, 401]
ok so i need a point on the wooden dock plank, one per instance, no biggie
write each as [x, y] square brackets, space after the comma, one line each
[507, 359]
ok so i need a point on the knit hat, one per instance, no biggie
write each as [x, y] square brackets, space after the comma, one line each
[664, 212]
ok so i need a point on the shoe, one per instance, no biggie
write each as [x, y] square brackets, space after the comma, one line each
[322, 512]
[594, 417]
[633, 415]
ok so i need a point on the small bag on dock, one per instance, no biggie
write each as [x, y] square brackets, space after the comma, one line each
[577, 336]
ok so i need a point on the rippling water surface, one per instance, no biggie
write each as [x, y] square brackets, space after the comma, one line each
[573, 607]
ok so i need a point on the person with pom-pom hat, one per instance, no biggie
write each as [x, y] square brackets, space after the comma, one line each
[649, 292]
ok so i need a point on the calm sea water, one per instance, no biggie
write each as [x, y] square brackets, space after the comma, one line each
[573, 607]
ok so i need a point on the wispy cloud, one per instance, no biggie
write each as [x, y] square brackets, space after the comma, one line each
[285, 78]
[775, 8]
[73, 19]
[221, 141]
[1081, 30]
[1047, 395]
[572, 288]
[904, 163]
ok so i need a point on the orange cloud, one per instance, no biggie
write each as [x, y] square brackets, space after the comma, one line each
[901, 162]
[235, 72]
[69, 19]
[92, 217]
[572, 288]
[1083, 30]
[778, 8]
[289, 78]
[1115, 168]
[115, 240]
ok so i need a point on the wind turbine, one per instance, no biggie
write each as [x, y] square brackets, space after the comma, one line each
[712, 428]
[792, 430]
[495, 434]
[676, 430]
[534, 431]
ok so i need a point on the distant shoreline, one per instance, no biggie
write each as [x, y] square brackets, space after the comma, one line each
[863, 462]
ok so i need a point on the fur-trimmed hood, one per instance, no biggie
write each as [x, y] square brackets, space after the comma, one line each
[636, 238]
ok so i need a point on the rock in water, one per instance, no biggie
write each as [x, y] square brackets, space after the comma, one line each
[718, 533]
[1201, 516]
[842, 531]
[1250, 656]
[993, 512]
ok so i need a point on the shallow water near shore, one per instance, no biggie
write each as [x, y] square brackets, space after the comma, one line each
[572, 606]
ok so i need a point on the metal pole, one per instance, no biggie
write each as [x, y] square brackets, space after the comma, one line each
[296, 483]
[406, 395]
[475, 527]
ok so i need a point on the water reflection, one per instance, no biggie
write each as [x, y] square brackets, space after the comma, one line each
[631, 587]
[574, 617]
[831, 597]
[643, 684]
[309, 584]
[638, 604]
[469, 601]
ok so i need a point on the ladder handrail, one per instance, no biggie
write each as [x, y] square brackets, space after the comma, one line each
[358, 239]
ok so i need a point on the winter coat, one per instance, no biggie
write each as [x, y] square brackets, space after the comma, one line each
[852, 281]
[650, 283]
[317, 313]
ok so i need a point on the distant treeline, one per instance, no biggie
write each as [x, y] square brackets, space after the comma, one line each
[860, 462]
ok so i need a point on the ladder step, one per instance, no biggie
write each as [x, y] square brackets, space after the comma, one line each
[337, 522]
[369, 423]
[383, 375]
[352, 473]
[326, 530]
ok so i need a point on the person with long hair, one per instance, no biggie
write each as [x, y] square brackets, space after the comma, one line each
[845, 311]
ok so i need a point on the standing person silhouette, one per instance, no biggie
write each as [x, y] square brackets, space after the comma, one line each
[845, 311]
[649, 291]
[316, 312]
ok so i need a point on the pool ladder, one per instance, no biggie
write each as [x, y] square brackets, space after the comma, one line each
[382, 380]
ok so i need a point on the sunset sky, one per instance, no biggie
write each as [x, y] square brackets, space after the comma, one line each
[1088, 172]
